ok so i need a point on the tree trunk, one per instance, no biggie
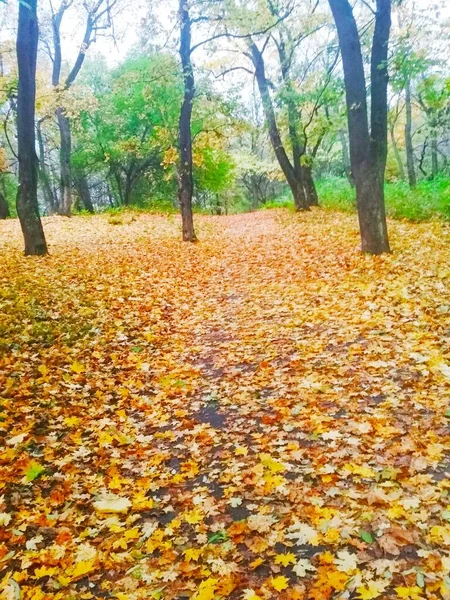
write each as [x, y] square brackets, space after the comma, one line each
[302, 173]
[82, 186]
[294, 180]
[27, 204]
[4, 208]
[309, 185]
[50, 200]
[185, 168]
[346, 158]
[412, 179]
[398, 158]
[64, 161]
[434, 154]
[368, 149]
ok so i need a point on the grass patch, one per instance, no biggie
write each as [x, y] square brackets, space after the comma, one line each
[429, 200]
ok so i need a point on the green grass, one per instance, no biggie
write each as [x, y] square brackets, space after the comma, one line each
[429, 200]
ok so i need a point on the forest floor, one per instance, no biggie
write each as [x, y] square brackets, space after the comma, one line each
[264, 414]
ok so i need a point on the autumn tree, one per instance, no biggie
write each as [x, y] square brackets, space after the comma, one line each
[27, 204]
[368, 144]
[185, 175]
[97, 17]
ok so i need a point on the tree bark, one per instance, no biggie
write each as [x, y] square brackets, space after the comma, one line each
[434, 154]
[294, 180]
[4, 208]
[302, 173]
[346, 158]
[50, 200]
[309, 185]
[27, 204]
[412, 179]
[398, 158]
[368, 149]
[65, 202]
[82, 186]
[64, 160]
[185, 168]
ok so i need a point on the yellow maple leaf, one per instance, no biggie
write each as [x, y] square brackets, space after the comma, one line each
[255, 563]
[206, 589]
[81, 568]
[279, 583]
[44, 572]
[141, 502]
[413, 593]
[271, 464]
[193, 517]
[241, 451]
[285, 559]
[373, 589]
[71, 421]
[192, 554]
[77, 367]
[132, 534]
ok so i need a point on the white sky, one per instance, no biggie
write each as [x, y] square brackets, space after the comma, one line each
[127, 25]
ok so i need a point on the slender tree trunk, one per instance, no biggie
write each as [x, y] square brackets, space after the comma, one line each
[434, 154]
[44, 178]
[27, 204]
[295, 182]
[302, 173]
[185, 168]
[4, 208]
[412, 179]
[64, 160]
[3, 193]
[82, 186]
[398, 158]
[368, 149]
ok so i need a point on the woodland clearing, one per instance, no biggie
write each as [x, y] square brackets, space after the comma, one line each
[262, 414]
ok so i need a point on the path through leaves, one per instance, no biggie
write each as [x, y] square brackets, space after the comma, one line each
[264, 414]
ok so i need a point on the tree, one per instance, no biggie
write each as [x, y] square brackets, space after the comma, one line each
[185, 175]
[292, 172]
[368, 146]
[97, 17]
[27, 204]
[434, 99]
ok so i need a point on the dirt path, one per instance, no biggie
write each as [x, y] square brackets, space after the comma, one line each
[263, 411]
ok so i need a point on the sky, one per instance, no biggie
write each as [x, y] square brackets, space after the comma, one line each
[128, 25]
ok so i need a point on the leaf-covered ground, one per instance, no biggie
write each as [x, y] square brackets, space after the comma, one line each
[264, 414]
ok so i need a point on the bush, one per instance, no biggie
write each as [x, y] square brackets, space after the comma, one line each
[429, 200]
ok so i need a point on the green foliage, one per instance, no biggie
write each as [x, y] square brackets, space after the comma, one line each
[429, 200]
[10, 191]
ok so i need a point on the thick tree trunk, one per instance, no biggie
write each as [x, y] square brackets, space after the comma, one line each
[412, 179]
[4, 208]
[368, 149]
[310, 186]
[294, 180]
[65, 208]
[50, 200]
[82, 186]
[27, 204]
[398, 158]
[185, 168]
[346, 158]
